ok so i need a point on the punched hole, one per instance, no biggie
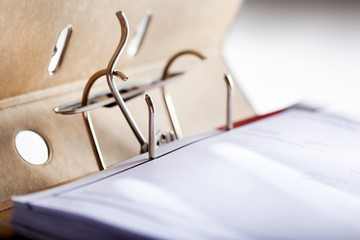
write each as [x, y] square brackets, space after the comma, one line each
[32, 147]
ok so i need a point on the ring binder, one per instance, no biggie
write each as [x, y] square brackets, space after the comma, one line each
[122, 95]
[29, 94]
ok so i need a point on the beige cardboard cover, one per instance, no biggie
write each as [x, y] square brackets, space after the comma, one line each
[28, 94]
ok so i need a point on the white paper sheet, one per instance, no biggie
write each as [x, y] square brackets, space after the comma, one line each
[294, 175]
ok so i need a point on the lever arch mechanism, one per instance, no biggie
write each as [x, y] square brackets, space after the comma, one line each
[118, 96]
[110, 72]
[87, 118]
[109, 77]
[167, 98]
[106, 99]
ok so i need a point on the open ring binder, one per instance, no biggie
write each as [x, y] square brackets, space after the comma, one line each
[88, 104]
[29, 93]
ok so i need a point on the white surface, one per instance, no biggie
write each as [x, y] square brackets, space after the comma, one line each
[282, 52]
[291, 176]
[32, 147]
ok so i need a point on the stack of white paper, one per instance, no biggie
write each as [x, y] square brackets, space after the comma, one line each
[295, 175]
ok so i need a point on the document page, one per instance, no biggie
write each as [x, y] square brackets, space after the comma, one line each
[323, 147]
[294, 175]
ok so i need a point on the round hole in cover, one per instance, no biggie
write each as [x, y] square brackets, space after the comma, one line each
[32, 147]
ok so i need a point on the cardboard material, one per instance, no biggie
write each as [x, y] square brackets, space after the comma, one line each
[29, 94]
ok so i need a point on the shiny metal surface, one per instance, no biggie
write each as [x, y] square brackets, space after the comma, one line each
[109, 72]
[229, 101]
[87, 118]
[59, 49]
[167, 97]
[141, 29]
[106, 99]
[120, 96]
[115, 91]
[164, 137]
[151, 109]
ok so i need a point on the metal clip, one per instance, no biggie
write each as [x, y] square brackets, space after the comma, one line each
[166, 96]
[229, 102]
[151, 108]
[115, 91]
[106, 99]
[164, 137]
[109, 72]
[87, 118]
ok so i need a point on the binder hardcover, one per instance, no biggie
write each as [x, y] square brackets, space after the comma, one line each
[53, 48]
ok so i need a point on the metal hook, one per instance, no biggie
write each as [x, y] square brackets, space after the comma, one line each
[114, 90]
[109, 72]
[166, 96]
[151, 109]
[87, 118]
[229, 102]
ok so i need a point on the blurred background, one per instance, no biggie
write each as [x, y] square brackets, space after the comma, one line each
[285, 51]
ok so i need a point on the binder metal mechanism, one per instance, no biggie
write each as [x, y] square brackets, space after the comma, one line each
[118, 97]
